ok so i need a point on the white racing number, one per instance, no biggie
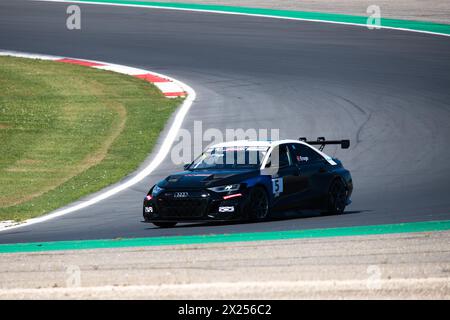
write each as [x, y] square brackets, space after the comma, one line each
[277, 186]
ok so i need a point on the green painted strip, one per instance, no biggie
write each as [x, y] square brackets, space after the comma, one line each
[427, 226]
[423, 26]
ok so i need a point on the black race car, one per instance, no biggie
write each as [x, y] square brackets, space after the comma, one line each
[243, 180]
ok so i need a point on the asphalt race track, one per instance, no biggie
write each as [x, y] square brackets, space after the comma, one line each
[388, 91]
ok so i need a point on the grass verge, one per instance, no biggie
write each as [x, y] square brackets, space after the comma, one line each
[67, 131]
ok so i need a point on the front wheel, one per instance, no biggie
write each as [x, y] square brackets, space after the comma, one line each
[337, 197]
[165, 224]
[258, 204]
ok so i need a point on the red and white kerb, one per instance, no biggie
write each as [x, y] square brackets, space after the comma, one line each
[168, 87]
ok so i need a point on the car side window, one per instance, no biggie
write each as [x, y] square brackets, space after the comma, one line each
[304, 154]
[280, 156]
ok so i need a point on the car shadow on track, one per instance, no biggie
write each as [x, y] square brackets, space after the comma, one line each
[276, 216]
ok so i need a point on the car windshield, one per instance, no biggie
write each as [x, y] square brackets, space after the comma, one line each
[230, 158]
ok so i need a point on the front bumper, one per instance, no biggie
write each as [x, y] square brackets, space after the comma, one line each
[199, 205]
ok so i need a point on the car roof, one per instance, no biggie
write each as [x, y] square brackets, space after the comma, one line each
[254, 143]
[268, 144]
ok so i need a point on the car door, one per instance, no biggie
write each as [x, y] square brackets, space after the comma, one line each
[311, 166]
[285, 175]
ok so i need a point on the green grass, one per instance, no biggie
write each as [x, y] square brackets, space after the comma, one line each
[67, 131]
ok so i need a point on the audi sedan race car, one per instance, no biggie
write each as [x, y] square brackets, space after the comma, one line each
[247, 180]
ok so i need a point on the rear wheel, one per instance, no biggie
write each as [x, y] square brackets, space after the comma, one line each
[258, 204]
[165, 224]
[337, 197]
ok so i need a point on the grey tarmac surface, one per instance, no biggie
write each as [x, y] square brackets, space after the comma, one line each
[430, 10]
[406, 266]
[388, 91]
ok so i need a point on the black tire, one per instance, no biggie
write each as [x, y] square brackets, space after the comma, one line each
[258, 204]
[337, 197]
[165, 224]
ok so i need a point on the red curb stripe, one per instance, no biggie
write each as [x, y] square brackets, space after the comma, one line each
[174, 94]
[151, 78]
[147, 76]
[80, 62]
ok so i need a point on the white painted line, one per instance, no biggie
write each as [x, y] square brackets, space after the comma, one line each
[241, 14]
[122, 69]
[29, 55]
[400, 287]
[161, 154]
[168, 87]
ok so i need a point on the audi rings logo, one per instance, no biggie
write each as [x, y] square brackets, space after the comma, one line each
[180, 194]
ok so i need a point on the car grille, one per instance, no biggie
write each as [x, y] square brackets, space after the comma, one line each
[182, 208]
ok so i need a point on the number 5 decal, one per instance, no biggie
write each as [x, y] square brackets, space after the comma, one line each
[277, 186]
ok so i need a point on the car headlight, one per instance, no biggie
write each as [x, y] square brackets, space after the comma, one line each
[156, 190]
[226, 188]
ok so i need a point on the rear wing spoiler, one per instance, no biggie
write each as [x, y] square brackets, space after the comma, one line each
[345, 144]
